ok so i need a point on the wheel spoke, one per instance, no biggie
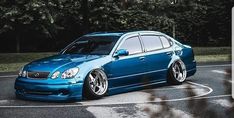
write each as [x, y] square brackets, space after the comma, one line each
[174, 70]
[91, 77]
[98, 82]
[98, 89]
[179, 71]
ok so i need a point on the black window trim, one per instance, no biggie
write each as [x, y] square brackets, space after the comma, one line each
[160, 41]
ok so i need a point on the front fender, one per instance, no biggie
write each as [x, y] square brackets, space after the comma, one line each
[87, 67]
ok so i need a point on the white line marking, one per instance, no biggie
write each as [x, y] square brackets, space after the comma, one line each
[219, 71]
[172, 88]
[142, 97]
[5, 76]
[4, 101]
[117, 103]
[80, 105]
[196, 96]
[215, 96]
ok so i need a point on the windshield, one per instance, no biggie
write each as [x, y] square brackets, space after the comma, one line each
[93, 45]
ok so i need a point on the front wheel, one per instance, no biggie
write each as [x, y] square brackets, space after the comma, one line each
[95, 85]
[177, 73]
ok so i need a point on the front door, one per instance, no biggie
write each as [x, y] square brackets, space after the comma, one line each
[126, 70]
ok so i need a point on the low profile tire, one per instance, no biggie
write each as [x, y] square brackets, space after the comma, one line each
[95, 85]
[177, 73]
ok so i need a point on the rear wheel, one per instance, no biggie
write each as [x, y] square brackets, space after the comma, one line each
[95, 85]
[177, 73]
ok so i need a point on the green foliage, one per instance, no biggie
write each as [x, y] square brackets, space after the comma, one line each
[197, 22]
[36, 15]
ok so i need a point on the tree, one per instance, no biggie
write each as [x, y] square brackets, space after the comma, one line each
[196, 22]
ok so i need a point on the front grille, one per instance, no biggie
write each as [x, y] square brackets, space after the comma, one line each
[39, 75]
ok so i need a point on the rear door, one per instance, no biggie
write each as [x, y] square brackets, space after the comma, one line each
[157, 56]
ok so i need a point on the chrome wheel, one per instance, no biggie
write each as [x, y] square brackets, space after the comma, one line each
[98, 82]
[179, 71]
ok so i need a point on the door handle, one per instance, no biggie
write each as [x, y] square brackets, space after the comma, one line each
[142, 58]
[178, 52]
[169, 53]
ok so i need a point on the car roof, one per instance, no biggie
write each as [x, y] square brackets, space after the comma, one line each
[120, 33]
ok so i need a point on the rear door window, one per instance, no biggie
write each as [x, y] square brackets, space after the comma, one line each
[151, 42]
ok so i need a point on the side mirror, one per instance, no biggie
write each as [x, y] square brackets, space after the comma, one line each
[121, 52]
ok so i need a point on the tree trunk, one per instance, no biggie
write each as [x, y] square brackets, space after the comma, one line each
[124, 4]
[174, 29]
[17, 43]
[85, 14]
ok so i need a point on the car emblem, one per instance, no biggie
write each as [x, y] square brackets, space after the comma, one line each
[36, 75]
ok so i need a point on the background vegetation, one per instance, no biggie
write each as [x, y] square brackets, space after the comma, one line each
[49, 25]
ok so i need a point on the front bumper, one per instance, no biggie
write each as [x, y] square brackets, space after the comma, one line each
[42, 92]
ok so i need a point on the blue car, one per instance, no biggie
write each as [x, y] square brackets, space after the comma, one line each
[104, 63]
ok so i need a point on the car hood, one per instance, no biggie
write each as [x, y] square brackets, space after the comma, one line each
[59, 62]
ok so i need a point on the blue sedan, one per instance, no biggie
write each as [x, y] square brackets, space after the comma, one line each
[104, 63]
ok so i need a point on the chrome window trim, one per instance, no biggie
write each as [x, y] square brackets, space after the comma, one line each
[141, 33]
[139, 42]
[169, 41]
[123, 39]
[160, 41]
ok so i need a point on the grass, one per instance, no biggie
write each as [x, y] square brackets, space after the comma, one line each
[11, 67]
[14, 61]
[10, 62]
[6, 58]
[212, 50]
[213, 58]
[212, 54]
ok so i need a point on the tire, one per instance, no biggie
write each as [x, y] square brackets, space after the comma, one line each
[177, 73]
[95, 84]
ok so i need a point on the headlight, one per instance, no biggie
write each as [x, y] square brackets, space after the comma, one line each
[55, 75]
[22, 72]
[70, 73]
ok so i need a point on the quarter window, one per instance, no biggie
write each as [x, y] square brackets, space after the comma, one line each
[152, 43]
[165, 42]
[132, 45]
